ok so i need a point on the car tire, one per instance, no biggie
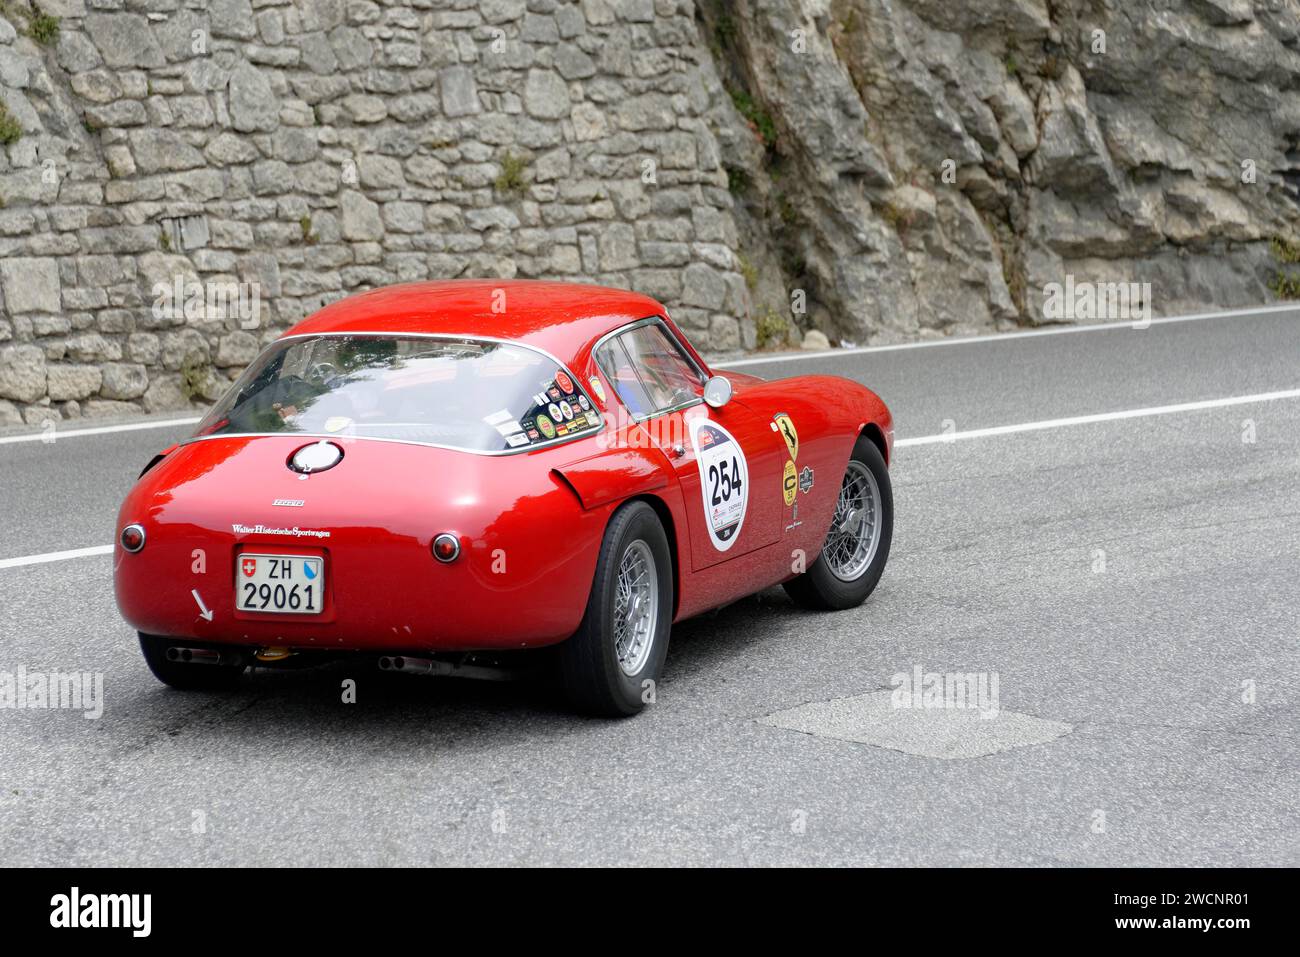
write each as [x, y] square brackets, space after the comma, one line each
[183, 676]
[617, 653]
[842, 576]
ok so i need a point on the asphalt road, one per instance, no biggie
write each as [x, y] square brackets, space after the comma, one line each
[1129, 581]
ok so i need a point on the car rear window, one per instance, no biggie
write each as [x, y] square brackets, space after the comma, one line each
[472, 394]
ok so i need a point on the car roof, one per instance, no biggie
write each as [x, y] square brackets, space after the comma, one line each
[558, 317]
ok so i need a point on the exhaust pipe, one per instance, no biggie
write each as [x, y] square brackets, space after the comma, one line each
[203, 656]
[413, 666]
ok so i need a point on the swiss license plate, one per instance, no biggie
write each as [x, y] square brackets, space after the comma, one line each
[281, 584]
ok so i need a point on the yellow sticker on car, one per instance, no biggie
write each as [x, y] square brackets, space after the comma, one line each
[785, 425]
[790, 483]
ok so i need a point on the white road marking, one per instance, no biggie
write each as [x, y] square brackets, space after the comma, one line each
[1098, 417]
[999, 337]
[899, 444]
[56, 556]
[58, 435]
[756, 360]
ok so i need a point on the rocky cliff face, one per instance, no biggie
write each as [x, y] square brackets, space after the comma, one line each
[923, 166]
[867, 169]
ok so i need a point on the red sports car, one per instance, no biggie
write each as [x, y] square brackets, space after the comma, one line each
[441, 473]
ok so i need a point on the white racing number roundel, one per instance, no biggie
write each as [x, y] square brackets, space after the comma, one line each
[724, 481]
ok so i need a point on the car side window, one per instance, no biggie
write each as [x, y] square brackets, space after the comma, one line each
[615, 362]
[649, 370]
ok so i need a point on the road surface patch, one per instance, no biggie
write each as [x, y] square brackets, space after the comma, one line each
[946, 733]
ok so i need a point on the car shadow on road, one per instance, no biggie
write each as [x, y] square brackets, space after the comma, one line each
[352, 693]
[715, 639]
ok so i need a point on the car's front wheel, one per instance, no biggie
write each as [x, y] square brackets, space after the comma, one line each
[167, 660]
[612, 662]
[857, 545]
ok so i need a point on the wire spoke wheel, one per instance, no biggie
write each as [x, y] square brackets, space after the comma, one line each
[636, 607]
[855, 528]
[618, 651]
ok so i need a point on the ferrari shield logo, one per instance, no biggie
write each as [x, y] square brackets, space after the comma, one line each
[788, 432]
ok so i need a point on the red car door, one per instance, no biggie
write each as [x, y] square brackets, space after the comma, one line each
[730, 483]
[727, 460]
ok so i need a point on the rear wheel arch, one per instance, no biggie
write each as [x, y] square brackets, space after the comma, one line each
[670, 529]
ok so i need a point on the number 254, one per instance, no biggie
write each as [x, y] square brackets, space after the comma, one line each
[724, 480]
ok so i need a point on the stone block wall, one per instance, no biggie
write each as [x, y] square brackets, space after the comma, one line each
[312, 148]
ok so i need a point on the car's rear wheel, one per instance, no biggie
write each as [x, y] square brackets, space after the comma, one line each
[189, 675]
[612, 662]
[857, 544]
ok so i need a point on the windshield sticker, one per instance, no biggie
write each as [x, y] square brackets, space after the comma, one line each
[564, 382]
[724, 481]
[550, 416]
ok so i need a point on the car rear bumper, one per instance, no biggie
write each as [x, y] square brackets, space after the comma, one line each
[394, 597]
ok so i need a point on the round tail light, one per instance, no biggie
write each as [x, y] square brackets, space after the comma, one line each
[132, 538]
[446, 547]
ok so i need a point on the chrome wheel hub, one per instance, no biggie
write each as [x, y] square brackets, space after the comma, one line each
[855, 528]
[636, 608]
